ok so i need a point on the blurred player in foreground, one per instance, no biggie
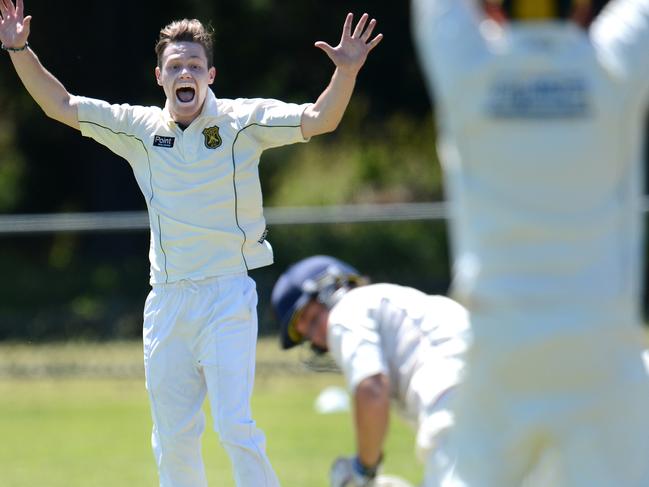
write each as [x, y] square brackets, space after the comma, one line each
[540, 116]
[391, 342]
[196, 164]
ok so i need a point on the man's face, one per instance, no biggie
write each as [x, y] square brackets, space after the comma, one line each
[185, 77]
[312, 324]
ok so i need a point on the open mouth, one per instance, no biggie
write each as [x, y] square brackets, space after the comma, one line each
[185, 95]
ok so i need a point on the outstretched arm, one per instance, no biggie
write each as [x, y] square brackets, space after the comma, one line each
[371, 418]
[45, 89]
[348, 56]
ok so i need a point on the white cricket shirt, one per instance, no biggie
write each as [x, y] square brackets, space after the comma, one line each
[201, 185]
[541, 143]
[415, 339]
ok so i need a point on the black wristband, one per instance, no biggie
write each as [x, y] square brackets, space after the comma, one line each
[15, 49]
[364, 470]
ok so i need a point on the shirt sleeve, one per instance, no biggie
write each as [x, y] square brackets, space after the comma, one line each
[271, 123]
[448, 38]
[114, 126]
[355, 345]
[621, 36]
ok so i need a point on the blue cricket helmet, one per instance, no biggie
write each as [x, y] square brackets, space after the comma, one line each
[316, 277]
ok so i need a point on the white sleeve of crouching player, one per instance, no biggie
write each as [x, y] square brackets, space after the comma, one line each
[355, 345]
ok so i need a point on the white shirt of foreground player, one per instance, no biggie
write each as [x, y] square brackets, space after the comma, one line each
[541, 143]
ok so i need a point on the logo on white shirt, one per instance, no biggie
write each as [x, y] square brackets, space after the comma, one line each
[162, 141]
[263, 236]
[541, 97]
[212, 137]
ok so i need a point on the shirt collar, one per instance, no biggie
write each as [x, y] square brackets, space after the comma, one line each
[210, 108]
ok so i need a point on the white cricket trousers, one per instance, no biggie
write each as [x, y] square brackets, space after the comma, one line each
[200, 339]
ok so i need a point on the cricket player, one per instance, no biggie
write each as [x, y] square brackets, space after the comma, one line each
[195, 161]
[540, 117]
[393, 343]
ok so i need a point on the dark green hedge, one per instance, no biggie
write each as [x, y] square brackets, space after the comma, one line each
[94, 286]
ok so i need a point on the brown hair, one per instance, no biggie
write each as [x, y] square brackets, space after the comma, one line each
[186, 30]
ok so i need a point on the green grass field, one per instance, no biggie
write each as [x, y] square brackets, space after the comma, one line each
[77, 415]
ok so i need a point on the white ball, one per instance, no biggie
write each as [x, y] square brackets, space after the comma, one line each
[391, 481]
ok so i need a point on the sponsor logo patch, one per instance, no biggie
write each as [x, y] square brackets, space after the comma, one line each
[212, 137]
[549, 96]
[162, 141]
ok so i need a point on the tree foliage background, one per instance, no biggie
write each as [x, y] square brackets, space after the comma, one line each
[93, 285]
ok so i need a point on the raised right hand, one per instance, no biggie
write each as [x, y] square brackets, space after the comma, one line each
[14, 27]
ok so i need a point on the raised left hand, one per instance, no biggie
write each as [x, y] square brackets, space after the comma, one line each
[350, 54]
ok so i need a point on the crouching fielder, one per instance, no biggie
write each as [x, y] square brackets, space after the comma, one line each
[391, 342]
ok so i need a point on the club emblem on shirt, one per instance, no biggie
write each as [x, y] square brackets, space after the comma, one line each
[212, 137]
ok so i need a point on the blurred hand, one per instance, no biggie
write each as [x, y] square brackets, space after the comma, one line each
[14, 28]
[350, 54]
